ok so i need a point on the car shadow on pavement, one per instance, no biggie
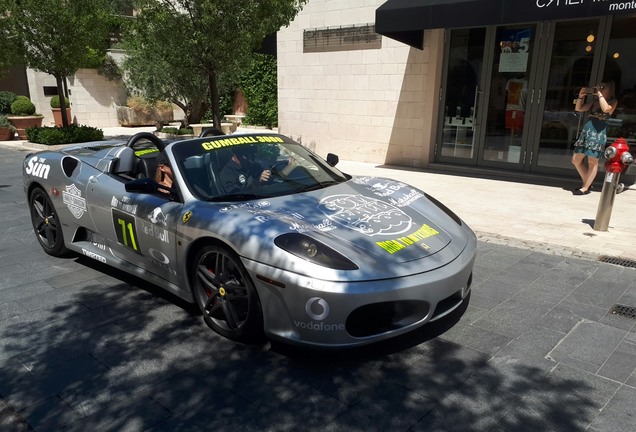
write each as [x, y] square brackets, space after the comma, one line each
[115, 353]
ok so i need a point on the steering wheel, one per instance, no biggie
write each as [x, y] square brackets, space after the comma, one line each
[158, 142]
[276, 169]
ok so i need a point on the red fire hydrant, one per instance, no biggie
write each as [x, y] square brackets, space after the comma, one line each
[618, 158]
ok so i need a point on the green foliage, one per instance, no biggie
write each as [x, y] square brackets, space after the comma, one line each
[64, 135]
[226, 101]
[190, 51]
[177, 131]
[259, 84]
[8, 50]
[22, 106]
[55, 102]
[6, 99]
[109, 69]
[144, 107]
[5, 123]
[58, 36]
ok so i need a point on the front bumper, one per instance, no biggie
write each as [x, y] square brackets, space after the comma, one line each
[315, 312]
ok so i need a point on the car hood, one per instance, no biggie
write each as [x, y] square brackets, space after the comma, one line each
[374, 222]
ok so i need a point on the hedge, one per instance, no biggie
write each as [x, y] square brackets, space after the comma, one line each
[63, 135]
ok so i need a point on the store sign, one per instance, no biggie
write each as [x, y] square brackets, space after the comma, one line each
[341, 39]
[537, 10]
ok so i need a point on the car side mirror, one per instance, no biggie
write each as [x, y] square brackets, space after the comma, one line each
[147, 186]
[332, 159]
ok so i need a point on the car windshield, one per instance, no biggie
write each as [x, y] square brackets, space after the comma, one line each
[244, 167]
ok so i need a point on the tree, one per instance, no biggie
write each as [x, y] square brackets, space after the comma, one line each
[8, 55]
[199, 43]
[261, 90]
[59, 36]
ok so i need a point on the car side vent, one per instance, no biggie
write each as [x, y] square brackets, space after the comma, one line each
[69, 166]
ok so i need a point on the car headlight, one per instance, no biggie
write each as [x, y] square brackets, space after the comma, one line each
[313, 251]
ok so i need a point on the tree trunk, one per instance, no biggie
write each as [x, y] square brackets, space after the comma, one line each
[60, 93]
[214, 99]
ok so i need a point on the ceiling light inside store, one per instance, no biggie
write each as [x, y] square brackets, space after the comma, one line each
[616, 55]
[588, 48]
[590, 38]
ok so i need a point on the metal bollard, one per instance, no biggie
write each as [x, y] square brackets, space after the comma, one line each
[618, 157]
[606, 203]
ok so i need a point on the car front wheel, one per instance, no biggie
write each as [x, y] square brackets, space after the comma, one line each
[46, 223]
[226, 295]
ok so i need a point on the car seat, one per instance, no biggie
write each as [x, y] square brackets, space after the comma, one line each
[125, 162]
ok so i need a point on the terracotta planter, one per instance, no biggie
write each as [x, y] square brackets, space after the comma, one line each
[129, 117]
[57, 116]
[21, 123]
[6, 134]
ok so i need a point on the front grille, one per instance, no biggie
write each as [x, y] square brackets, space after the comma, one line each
[380, 318]
[624, 311]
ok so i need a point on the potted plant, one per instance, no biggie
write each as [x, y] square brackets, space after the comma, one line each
[57, 111]
[176, 133]
[6, 129]
[24, 116]
[141, 112]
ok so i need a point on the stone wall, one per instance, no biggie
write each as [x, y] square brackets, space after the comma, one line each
[370, 105]
[93, 98]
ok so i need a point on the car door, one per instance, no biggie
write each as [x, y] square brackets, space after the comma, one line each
[139, 228]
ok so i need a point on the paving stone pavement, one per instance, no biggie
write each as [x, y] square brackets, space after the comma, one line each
[84, 347]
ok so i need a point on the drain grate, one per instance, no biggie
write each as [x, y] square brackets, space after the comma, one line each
[618, 261]
[624, 311]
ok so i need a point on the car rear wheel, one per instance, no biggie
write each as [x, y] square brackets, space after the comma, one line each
[46, 223]
[226, 295]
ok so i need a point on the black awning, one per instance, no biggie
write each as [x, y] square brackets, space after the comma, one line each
[406, 20]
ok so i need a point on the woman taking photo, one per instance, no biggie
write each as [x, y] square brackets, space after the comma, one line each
[591, 141]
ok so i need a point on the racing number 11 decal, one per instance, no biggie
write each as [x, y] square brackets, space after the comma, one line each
[125, 230]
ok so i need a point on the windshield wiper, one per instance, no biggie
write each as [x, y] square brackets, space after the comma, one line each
[316, 186]
[236, 197]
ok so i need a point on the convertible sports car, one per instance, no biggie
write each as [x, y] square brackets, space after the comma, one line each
[304, 254]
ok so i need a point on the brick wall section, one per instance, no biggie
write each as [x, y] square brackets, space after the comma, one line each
[371, 105]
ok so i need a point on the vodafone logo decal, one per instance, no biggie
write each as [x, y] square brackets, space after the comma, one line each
[317, 304]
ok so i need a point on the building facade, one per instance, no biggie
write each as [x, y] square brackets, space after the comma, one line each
[481, 83]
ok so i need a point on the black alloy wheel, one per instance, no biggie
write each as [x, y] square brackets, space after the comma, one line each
[46, 223]
[226, 295]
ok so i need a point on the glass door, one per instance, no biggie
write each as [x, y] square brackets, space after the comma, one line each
[461, 99]
[575, 55]
[508, 96]
[619, 67]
